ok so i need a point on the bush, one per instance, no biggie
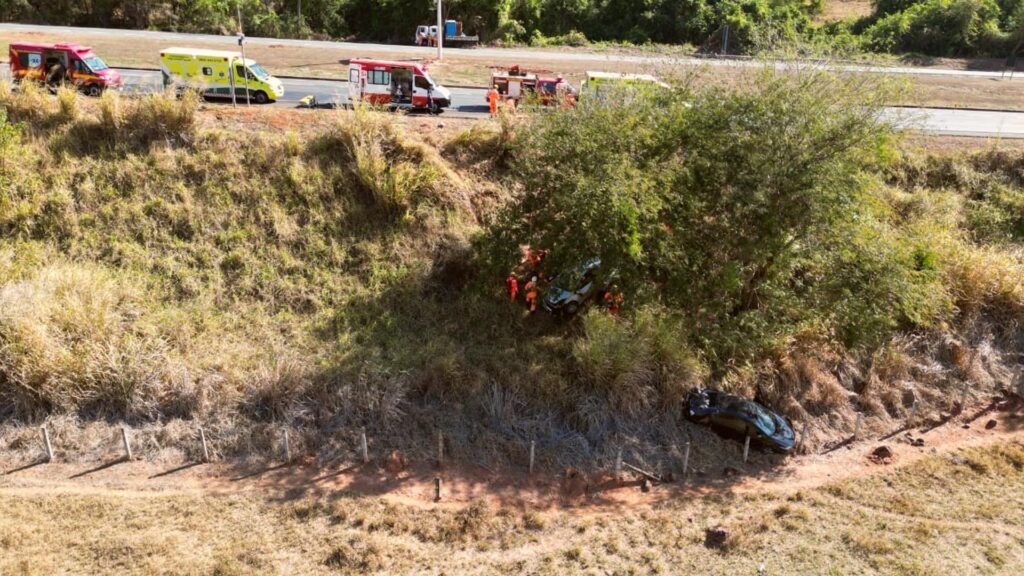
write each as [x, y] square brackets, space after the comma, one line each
[941, 28]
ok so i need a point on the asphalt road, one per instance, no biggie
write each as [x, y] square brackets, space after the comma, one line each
[567, 55]
[471, 102]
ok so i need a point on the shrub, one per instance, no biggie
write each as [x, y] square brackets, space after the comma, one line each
[941, 28]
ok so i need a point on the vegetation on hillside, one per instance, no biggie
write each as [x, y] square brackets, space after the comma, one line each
[929, 27]
[772, 239]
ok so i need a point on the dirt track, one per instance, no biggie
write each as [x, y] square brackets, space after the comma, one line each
[463, 483]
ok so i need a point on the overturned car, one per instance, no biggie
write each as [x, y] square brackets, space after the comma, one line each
[739, 417]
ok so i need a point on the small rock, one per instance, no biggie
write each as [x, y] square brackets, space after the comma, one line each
[918, 442]
[965, 426]
[645, 485]
[881, 455]
[958, 460]
[715, 537]
[990, 424]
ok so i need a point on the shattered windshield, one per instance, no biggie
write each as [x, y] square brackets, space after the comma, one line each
[95, 64]
[755, 412]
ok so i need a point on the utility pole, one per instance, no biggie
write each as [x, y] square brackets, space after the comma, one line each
[241, 44]
[440, 32]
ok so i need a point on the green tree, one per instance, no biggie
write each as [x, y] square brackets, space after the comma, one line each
[720, 204]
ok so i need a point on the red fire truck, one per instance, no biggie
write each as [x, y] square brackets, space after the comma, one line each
[516, 84]
[396, 85]
[54, 64]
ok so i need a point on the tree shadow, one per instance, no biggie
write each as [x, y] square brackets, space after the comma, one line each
[27, 466]
[175, 470]
[103, 466]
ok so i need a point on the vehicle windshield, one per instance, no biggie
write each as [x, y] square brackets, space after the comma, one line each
[95, 64]
[258, 71]
[755, 412]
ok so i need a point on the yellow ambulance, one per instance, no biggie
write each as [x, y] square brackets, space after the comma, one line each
[216, 73]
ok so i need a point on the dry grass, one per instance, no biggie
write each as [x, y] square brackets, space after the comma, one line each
[947, 514]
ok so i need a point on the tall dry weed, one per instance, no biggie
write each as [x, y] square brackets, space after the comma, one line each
[70, 339]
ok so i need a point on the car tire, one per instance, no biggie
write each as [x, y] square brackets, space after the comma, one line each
[94, 90]
[571, 309]
[261, 97]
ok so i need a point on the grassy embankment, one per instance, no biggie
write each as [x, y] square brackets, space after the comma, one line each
[956, 513]
[159, 269]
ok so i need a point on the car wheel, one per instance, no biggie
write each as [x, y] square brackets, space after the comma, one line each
[93, 90]
[572, 308]
[261, 97]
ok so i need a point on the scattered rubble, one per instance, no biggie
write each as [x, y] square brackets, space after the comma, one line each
[716, 537]
[881, 455]
[395, 462]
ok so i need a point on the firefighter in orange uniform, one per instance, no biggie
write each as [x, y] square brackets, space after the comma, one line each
[513, 287]
[613, 300]
[492, 100]
[532, 293]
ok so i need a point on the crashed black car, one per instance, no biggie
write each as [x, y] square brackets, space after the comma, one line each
[740, 417]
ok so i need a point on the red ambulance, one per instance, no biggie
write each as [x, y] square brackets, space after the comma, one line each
[54, 64]
[402, 85]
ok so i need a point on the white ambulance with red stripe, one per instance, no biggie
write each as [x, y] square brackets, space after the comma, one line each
[394, 84]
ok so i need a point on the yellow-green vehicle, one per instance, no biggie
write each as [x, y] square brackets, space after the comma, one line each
[603, 85]
[217, 73]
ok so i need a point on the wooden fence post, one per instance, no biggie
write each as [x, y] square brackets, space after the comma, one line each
[365, 449]
[127, 444]
[202, 438]
[746, 448]
[437, 488]
[47, 445]
[618, 466]
[287, 448]
[533, 445]
[686, 459]
[803, 436]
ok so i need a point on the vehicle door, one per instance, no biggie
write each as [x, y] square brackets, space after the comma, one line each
[355, 83]
[401, 86]
[244, 80]
[56, 65]
[31, 65]
[729, 422]
[423, 92]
